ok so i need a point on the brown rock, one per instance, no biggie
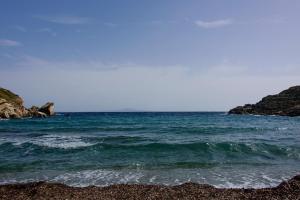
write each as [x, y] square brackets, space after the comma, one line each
[11, 106]
[34, 112]
[48, 109]
[9, 110]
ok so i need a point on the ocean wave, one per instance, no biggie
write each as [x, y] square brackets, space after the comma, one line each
[282, 128]
[216, 130]
[138, 147]
[71, 141]
[178, 129]
[140, 144]
[221, 178]
[58, 141]
[86, 129]
[241, 149]
[51, 141]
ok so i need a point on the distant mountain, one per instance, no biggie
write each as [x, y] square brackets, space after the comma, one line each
[286, 103]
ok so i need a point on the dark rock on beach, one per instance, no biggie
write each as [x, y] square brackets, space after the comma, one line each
[11, 106]
[286, 103]
[289, 190]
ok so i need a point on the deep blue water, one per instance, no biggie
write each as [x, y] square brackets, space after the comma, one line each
[83, 149]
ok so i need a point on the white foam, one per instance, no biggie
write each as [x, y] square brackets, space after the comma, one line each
[105, 177]
[256, 115]
[266, 177]
[53, 141]
[98, 178]
[250, 180]
[176, 177]
[282, 128]
[2, 141]
[60, 141]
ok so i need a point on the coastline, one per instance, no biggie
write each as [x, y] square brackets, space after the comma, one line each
[43, 190]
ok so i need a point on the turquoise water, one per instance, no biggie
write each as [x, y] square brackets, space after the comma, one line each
[83, 149]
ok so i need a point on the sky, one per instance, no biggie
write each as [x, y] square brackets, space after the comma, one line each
[151, 55]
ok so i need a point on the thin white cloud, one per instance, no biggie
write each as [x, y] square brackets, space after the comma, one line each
[29, 61]
[161, 22]
[9, 43]
[7, 56]
[225, 68]
[109, 24]
[157, 22]
[214, 24]
[47, 30]
[19, 28]
[271, 20]
[65, 19]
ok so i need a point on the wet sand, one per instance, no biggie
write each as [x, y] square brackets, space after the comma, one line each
[43, 190]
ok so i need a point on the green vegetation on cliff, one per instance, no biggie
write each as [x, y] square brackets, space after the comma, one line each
[10, 97]
[286, 103]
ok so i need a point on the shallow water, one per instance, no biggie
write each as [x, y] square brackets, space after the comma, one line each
[83, 149]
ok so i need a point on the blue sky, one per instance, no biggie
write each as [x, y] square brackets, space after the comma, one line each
[148, 55]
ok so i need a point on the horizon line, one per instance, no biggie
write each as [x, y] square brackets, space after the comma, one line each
[135, 111]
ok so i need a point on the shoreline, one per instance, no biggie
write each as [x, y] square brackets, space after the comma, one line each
[42, 190]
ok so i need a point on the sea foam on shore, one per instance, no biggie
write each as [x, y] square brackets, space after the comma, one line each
[289, 190]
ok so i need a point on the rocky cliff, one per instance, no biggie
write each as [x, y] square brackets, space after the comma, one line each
[286, 103]
[11, 106]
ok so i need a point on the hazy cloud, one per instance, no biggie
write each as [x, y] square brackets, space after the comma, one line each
[31, 61]
[103, 86]
[214, 24]
[65, 19]
[9, 43]
[271, 20]
[47, 30]
[19, 28]
[158, 88]
[109, 24]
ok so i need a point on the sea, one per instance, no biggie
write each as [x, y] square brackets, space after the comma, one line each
[166, 148]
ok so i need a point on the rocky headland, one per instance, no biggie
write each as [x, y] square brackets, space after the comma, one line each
[286, 103]
[12, 107]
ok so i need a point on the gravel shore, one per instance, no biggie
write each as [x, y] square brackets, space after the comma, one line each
[43, 190]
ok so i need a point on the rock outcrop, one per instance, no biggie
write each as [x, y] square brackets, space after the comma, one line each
[48, 109]
[286, 103]
[11, 106]
[34, 112]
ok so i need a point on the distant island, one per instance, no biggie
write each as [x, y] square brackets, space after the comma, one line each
[286, 103]
[11, 106]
